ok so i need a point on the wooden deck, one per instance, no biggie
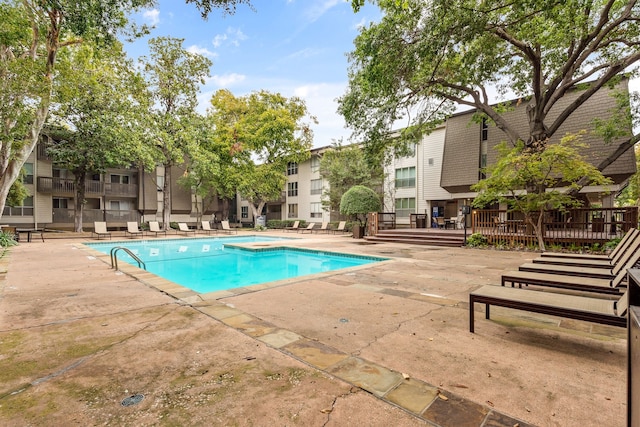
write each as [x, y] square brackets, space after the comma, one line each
[421, 236]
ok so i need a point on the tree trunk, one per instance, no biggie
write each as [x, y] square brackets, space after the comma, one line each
[166, 198]
[225, 209]
[78, 209]
[257, 210]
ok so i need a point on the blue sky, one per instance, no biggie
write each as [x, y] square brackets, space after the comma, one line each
[294, 47]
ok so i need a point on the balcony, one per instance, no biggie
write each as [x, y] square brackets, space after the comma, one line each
[62, 186]
[121, 190]
[65, 216]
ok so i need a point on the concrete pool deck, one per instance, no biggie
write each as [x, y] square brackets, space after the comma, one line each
[383, 344]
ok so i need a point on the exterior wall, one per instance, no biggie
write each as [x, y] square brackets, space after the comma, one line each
[461, 160]
[428, 163]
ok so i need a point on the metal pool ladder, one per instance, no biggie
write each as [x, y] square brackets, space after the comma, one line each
[114, 257]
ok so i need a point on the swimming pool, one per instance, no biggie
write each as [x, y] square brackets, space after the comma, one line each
[215, 264]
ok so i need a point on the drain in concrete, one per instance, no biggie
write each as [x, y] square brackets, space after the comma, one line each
[132, 400]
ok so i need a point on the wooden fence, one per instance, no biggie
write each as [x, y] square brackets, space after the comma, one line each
[572, 227]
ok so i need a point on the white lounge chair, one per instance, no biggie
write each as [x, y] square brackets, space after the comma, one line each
[309, 228]
[154, 227]
[100, 228]
[323, 228]
[341, 227]
[206, 227]
[184, 228]
[294, 227]
[133, 230]
[227, 229]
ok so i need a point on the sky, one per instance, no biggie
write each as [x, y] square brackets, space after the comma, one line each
[293, 47]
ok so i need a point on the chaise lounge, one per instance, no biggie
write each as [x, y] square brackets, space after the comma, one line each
[597, 310]
[100, 228]
[154, 227]
[206, 228]
[184, 228]
[133, 230]
[226, 228]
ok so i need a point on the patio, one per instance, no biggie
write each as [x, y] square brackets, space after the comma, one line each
[77, 339]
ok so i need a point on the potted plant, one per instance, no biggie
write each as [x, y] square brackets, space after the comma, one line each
[356, 203]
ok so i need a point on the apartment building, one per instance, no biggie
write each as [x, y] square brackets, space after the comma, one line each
[437, 179]
[116, 196]
[302, 198]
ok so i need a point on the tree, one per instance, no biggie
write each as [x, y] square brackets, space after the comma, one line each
[174, 76]
[261, 132]
[95, 122]
[424, 58]
[344, 167]
[542, 173]
[33, 32]
[358, 201]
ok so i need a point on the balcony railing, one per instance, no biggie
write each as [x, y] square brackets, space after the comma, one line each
[66, 216]
[52, 185]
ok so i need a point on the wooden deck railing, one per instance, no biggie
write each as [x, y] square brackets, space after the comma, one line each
[574, 226]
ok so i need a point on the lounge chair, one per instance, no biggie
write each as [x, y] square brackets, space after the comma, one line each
[226, 228]
[619, 250]
[133, 230]
[440, 222]
[342, 227]
[206, 227]
[100, 228]
[309, 228]
[573, 283]
[295, 226]
[323, 228]
[626, 261]
[154, 227]
[631, 242]
[184, 228]
[597, 310]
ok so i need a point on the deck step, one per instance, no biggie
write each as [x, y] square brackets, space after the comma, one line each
[418, 237]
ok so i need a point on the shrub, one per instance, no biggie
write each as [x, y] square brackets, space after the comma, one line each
[611, 244]
[358, 201]
[477, 240]
[7, 239]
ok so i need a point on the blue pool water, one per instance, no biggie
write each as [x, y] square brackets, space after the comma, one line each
[208, 265]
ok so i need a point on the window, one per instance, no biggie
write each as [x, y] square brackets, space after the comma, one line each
[25, 210]
[485, 130]
[405, 206]
[59, 203]
[292, 189]
[160, 182]
[316, 186]
[292, 210]
[244, 211]
[316, 210]
[28, 173]
[292, 168]
[315, 163]
[119, 179]
[406, 177]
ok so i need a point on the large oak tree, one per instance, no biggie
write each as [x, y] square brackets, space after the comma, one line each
[424, 58]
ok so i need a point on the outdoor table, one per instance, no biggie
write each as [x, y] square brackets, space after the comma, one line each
[29, 232]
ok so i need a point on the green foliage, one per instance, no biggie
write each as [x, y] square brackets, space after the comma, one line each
[477, 240]
[33, 34]
[611, 244]
[540, 173]
[358, 201]
[7, 239]
[425, 57]
[343, 167]
[254, 138]
[18, 192]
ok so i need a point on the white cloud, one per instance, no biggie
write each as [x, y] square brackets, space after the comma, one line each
[152, 16]
[319, 8]
[232, 36]
[227, 80]
[320, 99]
[201, 51]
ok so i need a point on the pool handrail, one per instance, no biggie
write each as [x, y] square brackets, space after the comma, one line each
[114, 257]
